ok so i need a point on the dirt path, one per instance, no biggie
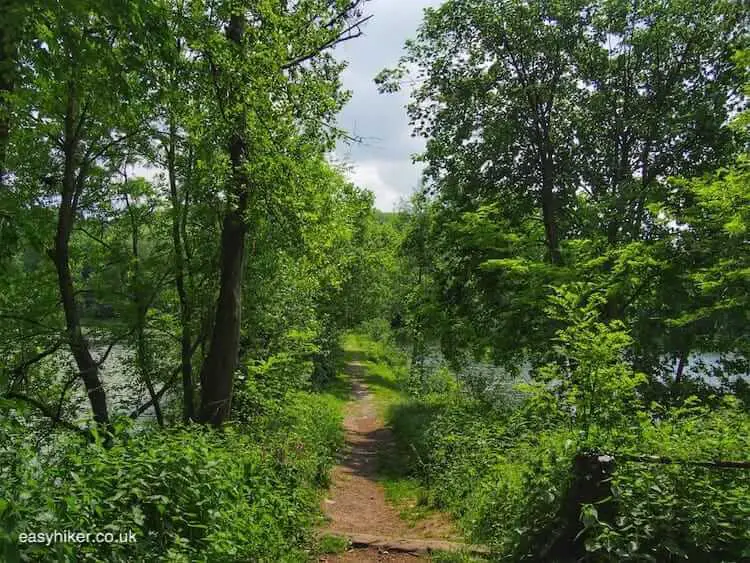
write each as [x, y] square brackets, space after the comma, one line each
[356, 505]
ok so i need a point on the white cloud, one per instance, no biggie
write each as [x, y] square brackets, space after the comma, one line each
[382, 163]
[390, 180]
[367, 175]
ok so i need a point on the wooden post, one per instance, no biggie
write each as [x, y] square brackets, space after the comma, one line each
[592, 474]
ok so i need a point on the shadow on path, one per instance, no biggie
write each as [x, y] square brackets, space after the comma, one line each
[356, 506]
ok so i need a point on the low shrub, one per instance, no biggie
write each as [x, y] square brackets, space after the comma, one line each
[677, 512]
[502, 484]
[506, 483]
[245, 493]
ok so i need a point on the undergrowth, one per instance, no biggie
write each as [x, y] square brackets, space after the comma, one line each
[504, 472]
[248, 492]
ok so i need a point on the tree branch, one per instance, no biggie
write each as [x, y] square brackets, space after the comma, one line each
[46, 411]
[28, 321]
[112, 344]
[92, 156]
[94, 238]
[173, 377]
[343, 13]
[20, 369]
[215, 82]
[670, 461]
[64, 392]
[339, 38]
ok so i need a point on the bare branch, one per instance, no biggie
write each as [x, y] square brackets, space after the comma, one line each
[173, 377]
[20, 369]
[92, 156]
[339, 38]
[82, 119]
[348, 9]
[33, 322]
[355, 139]
[58, 140]
[112, 344]
[64, 392]
[718, 464]
[46, 411]
[93, 237]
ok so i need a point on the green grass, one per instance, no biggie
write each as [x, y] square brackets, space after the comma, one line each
[338, 388]
[408, 496]
[330, 544]
[456, 557]
[383, 370]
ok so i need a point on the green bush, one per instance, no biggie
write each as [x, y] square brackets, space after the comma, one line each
[678, 512]
[503, 484]
[506, 481]
[246, 493]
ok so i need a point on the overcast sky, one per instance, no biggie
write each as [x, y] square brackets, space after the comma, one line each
[383, 162]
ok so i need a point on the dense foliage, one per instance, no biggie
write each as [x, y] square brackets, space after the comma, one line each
[175, 249]
[180, 260]
[553, 133]
[248, 493]
[578, 281]
[504, 469]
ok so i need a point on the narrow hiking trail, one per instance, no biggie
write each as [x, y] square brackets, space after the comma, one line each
[356, 505]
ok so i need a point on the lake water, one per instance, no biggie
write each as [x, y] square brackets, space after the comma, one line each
[495, 383]
[124, 390]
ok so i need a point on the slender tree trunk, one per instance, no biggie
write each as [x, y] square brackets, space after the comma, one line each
[145, 365]
[550, 225]
[217, 372]
[141, 354]
[8, 46]
[681, 362]
[178, 214]
[549, 207]
[87, 367]
[72, 185]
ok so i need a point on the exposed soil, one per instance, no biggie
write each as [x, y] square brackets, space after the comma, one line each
[371, 555]
[356, 505]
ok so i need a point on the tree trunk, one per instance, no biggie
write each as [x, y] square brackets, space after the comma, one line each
[217, 372]
[565, 539]
[681, 362]
[87, 367]
[71, 187]
[178, 214]
[141, 356]
[144, 364]
[549, 210]
[8, 47]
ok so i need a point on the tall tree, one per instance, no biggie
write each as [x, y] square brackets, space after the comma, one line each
[276, 85]
[73, 115]
[497, 89]
[560, 123]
